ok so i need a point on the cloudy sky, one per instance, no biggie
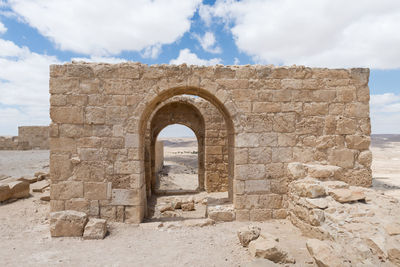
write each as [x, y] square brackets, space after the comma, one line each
[322, 33]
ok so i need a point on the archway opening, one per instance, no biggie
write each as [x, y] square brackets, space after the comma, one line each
[176, 160]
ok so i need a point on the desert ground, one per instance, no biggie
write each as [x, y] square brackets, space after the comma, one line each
[26, 241]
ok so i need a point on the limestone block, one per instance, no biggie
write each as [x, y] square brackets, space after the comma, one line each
[221, 213]
[95, 191]
[257, 186]
[134, 214]
[66, 190]
[95, 229]
[27, 179]
[323, 254]
[57, 205]
[40, 186]
[358, 142]
[95, 115]
[67, 223]
[260, 214]
[309, 188]
[67, 115]
[346, 126]
[284, 122]
[19, 189]
[77, 204]
[127, 167]
[365, 158]
[347, 195]
[250, 171]
[393, 250]
[342, 157]
[126, 197]
[282, 154]
[188, 206]
[247, 234]
[131, 140]
[314, 109]
[60, 167]
[5, 192]
[297, 170]
[322, 171]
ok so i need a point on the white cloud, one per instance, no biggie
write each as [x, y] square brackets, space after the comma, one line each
[24, 87]
[327, 33]
[385, 113]
[104, 28]
[185, 56]
[98, 59]
[208, 42]
[3, 28]
[236, 61]
[152, 51]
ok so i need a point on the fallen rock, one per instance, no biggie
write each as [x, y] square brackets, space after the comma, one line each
[248, 234]
[67, 223]
[45, 197]
[323, 254]
[393, 250]
[309, 188]
[221, 213]
[95, 229]
[29, 180]
[198, 222]
[165, 207]
[187, 206]
[269, 249]
[392, 228]
[346, 195]
[19, 189]
[5, 192]
[40, 186]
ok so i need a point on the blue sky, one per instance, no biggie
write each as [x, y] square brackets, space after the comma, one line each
[321, 33]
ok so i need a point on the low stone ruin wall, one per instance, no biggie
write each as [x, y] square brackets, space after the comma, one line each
[29, 137]
[159, 156]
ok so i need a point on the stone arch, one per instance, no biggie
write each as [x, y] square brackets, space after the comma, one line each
[174, 113]
[228, 115]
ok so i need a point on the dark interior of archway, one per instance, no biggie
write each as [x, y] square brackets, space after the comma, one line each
[179, 170]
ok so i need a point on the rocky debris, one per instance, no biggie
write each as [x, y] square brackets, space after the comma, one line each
[323, 254]
[42, 175]
[5, 192]
[347, 195]
[269, 249]
[95, 229]
[29, 180]
[198, 222]
[40, 186]
[68, 223]
[308, 187]
[393, 250]
[221, 213]
[45, 196]
[188, 206]
[19, 189]
[393, 228]
[247, 234]
[165, 207]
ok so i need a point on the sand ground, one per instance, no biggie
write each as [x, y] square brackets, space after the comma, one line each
[25, 238]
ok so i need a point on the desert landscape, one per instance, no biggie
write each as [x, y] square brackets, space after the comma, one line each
[162, 240]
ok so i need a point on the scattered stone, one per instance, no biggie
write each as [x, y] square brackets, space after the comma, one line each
[188, 206]
[269, 249]
[323, 254]
[392, 228]
[309, 188]
[68, 223]
[19, 189]
[221, 213]
[5, 192]
[29, 180]
[45, 196]
[198, 222]
[165, 207]
[40, 186]
[247, 234]
[393, 250]
[346, 195]
[95, 229]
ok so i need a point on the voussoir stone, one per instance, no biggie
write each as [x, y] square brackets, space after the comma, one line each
[68, 223]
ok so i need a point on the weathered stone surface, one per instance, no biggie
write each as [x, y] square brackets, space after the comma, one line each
[188, 206]
[322, 171]
[67, 223]
[393, 251]
[247, 234]
[19, 189]
[393, 228]
[5, 192]
[323, 254]
[297, 170]
[346, 195]
[269, 249]
[308, 188]
[40, 186]
[221, 213]
[95, 229]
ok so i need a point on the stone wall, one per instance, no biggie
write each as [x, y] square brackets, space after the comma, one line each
[29, 137]
[159, 156]
[273, 116]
